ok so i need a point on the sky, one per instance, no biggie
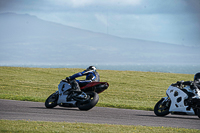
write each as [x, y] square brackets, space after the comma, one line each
[170, 21]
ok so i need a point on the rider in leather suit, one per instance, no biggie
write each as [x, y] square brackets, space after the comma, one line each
[91, 75]
[194, 85]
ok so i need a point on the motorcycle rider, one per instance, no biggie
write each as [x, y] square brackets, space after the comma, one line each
[194, 85]
[91, 75]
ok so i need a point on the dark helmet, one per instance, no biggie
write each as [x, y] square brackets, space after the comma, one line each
[93, 68]
[197, 79]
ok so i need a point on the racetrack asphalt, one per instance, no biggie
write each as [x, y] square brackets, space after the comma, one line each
[36, 111]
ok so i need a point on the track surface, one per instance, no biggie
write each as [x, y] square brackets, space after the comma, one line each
[36, 111]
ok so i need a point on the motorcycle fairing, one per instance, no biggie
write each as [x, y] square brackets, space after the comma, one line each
[62, 89]
[177, 97]
[98, 87]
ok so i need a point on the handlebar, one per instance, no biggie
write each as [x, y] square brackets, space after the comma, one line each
[178, 84]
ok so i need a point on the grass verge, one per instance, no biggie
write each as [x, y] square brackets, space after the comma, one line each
[128, 89]
[55, 127]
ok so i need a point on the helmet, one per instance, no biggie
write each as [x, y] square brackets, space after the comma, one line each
[197, 78]
[93, 68]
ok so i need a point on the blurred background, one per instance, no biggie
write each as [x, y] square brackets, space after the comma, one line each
[139, 35]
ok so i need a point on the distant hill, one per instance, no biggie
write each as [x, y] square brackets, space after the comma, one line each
[28, 39]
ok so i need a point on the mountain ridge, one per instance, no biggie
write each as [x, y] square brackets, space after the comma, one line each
[26, 38]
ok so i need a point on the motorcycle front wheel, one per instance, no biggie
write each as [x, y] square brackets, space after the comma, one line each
[162, 108]
[51, 101]
[87, 105]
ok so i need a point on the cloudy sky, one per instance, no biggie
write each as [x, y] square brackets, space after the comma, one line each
[171, 21]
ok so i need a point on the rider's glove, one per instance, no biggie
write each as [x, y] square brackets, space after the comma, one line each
[179, 82]
[68, 78]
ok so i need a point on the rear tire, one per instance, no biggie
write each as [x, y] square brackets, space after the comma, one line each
[94, 98]
[198, 113]
[161, 109]
[51, 101]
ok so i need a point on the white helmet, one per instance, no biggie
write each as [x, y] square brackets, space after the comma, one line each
[197, 79]
[93, 68]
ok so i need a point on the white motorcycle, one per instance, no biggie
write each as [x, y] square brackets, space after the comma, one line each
[180, 100]
[85, 99]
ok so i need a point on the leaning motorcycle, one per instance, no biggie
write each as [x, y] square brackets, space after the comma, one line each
[85, 99]
[180, 100]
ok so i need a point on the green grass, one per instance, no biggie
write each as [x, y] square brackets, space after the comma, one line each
[55, 127]
[128, 89]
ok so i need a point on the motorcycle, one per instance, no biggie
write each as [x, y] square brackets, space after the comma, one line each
[180, 100]
[85, 99]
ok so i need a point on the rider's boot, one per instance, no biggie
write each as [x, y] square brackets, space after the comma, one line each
[188, 108]
[76, 87]
[189, 103]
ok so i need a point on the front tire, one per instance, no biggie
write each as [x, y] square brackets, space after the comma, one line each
[94, 98]
[51, 101]
[162, 108]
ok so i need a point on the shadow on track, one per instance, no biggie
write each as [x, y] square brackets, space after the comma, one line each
[171, 117]
[74, 109]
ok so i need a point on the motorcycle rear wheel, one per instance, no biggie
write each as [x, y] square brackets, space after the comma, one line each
[51, 101]
[198, 113]
[94, 98]
[161, 109]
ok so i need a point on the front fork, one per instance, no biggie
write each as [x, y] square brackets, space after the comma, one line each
[166, 101]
